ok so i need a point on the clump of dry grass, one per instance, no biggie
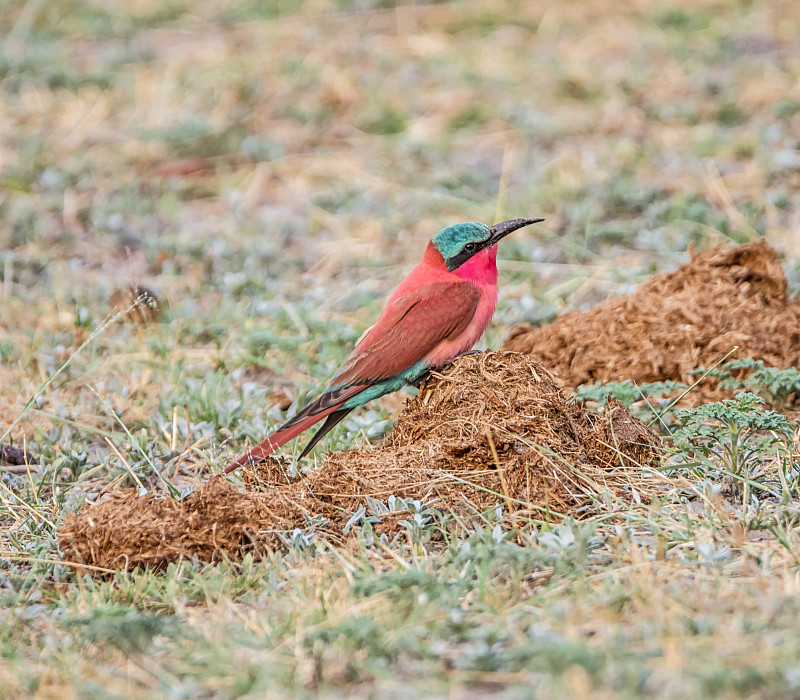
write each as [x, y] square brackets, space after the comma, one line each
[491, 428]
[137, 303]
[495, 427]
[725, 302]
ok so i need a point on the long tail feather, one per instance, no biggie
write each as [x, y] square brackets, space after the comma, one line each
[328, 404]
[280, 437]
[330, 422]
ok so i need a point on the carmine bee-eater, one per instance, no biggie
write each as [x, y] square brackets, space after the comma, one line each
[438, 312]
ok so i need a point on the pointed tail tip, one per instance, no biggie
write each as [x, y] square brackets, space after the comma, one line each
[232, 467]
[257, 455]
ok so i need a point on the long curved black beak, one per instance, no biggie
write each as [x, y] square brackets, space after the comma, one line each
[501, 230]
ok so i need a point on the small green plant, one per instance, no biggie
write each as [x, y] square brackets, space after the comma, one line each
[648, 401]
[779, 387]
[471, 117]
[383, 121]
[627, 392]
[422, 515]
[8, 352]
[732, 434]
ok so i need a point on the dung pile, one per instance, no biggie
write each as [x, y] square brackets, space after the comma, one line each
[676, 322]
[127, 530]
[491, 428]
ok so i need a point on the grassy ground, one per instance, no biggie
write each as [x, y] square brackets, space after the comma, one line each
[271, 170]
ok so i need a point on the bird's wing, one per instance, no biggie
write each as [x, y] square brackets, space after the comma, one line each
[407, 330]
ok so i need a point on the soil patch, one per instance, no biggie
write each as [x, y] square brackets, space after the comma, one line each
[676, 322]
[493, 428]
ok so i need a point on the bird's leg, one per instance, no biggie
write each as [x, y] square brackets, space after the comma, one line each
[418, 381]
[463, 354]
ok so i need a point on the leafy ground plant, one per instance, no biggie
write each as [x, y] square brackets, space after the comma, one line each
[779, 387]
[732, 438]
[649, 401]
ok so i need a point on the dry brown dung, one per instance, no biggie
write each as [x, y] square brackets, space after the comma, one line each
[675, 323]
[16, 456]
[491, 428]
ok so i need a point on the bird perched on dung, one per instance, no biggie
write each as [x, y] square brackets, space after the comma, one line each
[438, 312]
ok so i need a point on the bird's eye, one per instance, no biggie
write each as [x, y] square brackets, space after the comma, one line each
[469, 246]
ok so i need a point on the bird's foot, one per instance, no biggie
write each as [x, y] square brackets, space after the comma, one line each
[468, 352]
[463, 354]
[417, 383]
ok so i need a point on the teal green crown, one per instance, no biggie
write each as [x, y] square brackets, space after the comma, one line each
[450, 241]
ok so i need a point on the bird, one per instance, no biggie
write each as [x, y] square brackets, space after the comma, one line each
[436, 313]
